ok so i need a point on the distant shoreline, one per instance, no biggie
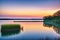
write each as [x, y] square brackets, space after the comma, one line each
[19, 19]
[28, 21]
[23, 20]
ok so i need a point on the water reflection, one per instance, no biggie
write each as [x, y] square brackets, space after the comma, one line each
[57, 29]
[10, 29]
[56, 26]
[31, 30]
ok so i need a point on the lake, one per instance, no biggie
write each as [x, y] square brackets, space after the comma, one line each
[30, 31]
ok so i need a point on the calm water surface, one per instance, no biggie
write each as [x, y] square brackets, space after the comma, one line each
[31, 30]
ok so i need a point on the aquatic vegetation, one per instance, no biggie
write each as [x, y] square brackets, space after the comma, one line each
[10, 26]
[9, 29]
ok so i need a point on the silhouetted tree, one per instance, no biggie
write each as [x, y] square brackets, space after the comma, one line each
[47, 17]
[57, 13]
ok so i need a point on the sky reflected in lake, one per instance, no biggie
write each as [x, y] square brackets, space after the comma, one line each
[31, 30]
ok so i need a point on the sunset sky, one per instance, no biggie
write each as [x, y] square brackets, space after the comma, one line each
[28, 8]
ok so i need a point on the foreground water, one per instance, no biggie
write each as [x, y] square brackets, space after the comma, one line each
[30, 31]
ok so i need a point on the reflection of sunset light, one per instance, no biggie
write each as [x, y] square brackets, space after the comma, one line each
[37, 26]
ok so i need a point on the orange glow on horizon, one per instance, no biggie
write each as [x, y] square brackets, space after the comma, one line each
[28, 13]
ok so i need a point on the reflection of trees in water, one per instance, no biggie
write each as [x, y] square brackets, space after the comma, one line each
[9, 32]
[55, 26]
[47, 25]
[57, 29]
[10, 29]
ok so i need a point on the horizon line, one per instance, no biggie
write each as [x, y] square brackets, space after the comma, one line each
[21, 19]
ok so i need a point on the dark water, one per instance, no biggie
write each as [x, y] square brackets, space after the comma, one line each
[31, 31]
